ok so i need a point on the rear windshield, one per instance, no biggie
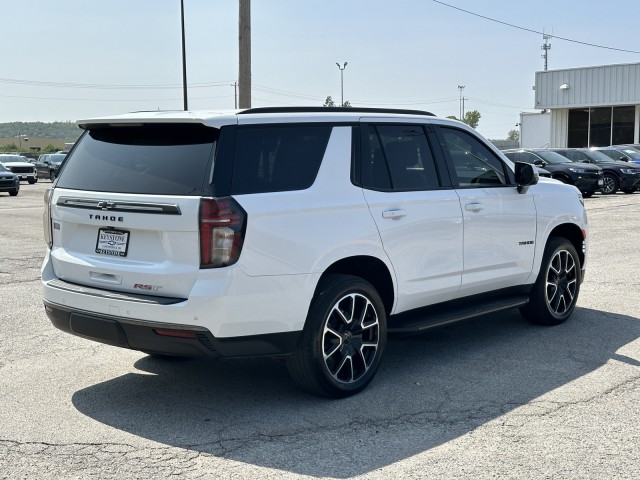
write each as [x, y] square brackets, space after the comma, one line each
[168, 159]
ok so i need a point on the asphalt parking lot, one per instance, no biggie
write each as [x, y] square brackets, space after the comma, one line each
[490, 398]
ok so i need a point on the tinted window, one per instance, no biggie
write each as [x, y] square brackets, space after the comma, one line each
[474, 164]
[150, 159]
[398, 157]
[575, 155]
[278, 158]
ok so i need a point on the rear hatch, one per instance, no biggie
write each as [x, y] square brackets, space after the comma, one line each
[125, 208]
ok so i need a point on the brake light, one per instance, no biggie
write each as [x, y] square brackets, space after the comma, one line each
[222, 227]
[46, 217]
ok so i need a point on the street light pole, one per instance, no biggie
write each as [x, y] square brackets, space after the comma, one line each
[184, 58]
[461, 88]
[342, 82]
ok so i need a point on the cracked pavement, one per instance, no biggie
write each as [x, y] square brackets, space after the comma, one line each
[490, 398]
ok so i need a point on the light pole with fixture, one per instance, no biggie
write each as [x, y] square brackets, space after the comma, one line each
[184, 58]
[342, 82]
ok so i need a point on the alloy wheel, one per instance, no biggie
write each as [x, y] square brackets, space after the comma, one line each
[350, 338]
[562, 283]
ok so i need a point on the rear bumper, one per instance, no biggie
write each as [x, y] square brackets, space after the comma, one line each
[629, 182]
[163, 338]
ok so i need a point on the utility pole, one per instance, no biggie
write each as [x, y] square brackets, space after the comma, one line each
[184, 58]
[460, 89]
[546, 47]
[244, 76]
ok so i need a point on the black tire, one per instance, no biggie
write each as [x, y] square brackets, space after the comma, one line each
[610, 185]
[52, 176]
[343, 340]
[32, 181]
[14, 192]
[587, 194]
[628, 190]
[556, 290]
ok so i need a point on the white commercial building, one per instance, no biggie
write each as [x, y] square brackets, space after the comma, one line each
[585, 107]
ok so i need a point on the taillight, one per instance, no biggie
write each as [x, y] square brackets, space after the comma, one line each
[46, 217]
[222, 227]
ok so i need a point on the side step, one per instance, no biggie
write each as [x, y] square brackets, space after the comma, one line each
[449, 312]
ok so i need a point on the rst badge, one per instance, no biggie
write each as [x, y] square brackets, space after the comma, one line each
[112, 242]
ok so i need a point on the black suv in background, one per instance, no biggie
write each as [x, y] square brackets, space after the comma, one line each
[586, 177]
[49, 164]
[621, 153]
[617, 175]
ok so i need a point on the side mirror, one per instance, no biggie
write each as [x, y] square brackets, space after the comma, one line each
[526, 175]
[624, 159]
[539, 163]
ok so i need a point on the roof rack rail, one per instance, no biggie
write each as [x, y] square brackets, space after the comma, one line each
[334, 109]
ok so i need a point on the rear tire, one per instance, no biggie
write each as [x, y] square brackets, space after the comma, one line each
[343, 339]
[556, 290]
[14, 192]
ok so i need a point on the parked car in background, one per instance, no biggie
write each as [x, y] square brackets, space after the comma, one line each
[620, 153]
[586, 177]
[9, 182]
[20, 166]
[49, 164]
[617, 175]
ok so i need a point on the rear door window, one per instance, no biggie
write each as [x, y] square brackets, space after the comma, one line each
[167, 159]
[397, 157]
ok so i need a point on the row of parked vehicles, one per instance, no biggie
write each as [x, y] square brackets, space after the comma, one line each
[14, 168]
[600, 169]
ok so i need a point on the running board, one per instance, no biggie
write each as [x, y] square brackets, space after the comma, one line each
[449, 312]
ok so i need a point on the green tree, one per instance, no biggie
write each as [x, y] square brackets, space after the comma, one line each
[472, 118]
[329, 102]
[9, 147]
[50, 148]
[513, 135]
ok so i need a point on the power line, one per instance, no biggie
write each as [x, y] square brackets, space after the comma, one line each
[107, 86]
[534, 31]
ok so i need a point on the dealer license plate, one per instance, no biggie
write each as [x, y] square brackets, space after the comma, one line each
[112, 242]
[600, 182]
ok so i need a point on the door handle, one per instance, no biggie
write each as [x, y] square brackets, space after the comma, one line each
[473, 207]
[399, 213]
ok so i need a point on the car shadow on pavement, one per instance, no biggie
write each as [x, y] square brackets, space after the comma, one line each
[431, 388]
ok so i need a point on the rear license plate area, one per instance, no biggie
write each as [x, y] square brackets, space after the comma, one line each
[112, 242]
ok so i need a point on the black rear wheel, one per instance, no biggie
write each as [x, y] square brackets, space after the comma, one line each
[343, 339]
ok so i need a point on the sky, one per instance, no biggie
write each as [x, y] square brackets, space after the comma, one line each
[65, 60]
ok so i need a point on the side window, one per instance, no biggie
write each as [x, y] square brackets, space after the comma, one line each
[575, 156]
[474, 164]
[398, 157]
[528, 157]
[278, 158]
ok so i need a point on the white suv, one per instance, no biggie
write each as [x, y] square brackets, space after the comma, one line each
[304, 232]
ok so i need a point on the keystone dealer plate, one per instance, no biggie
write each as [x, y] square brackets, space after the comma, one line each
[112, 242]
